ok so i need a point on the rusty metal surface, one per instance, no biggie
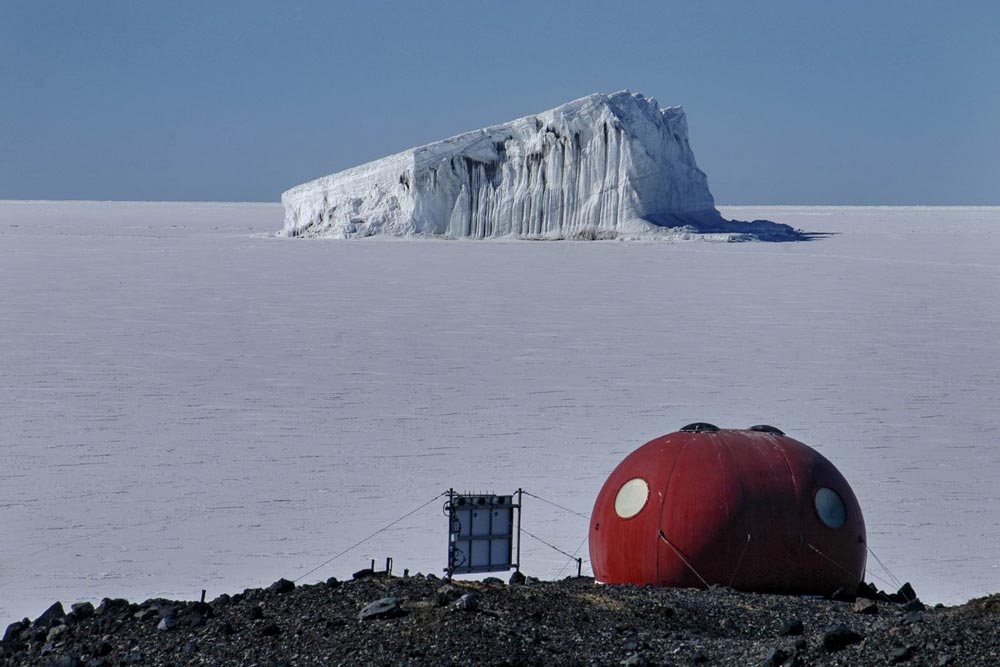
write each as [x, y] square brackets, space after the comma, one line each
[732, 507]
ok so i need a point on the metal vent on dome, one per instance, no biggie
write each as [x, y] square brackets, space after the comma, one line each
[765, 428]
[700, 427]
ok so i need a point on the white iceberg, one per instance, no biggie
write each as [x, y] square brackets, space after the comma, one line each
[603, 166]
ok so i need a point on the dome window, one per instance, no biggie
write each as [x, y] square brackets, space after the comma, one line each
[830, 508]
[631, 498]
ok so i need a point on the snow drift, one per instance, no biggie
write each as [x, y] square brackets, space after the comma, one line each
[602, 166]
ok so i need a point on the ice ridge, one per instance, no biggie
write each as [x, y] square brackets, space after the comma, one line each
[603, 166]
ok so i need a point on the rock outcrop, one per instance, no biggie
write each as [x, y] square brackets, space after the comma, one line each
[382, 620]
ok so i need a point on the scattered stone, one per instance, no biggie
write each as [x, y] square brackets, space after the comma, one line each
[55, 632]
[865, 606]
[52, 616]
[222, 601]
[792, 628]
[468, 602]
[384, 608]
[145, 615]
[445, 594]
[914, 605]
[198, 610]
[516, 579]
[493, 581]
[839, 637]
[552, 623]
[366, 573]
[775, 657]
[114, 607]
[82, 610]
[842, 595]
[15, 629]
[333, 582]
[867, 591]
[282, 586]
[905, 593]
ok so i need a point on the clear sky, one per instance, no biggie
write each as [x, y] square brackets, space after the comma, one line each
[788, 102]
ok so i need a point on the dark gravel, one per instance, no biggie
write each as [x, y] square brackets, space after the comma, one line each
[425, 621]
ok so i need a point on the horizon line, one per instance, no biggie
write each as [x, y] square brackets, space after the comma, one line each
[278, 203]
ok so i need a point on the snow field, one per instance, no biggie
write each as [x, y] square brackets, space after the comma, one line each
[187, 402]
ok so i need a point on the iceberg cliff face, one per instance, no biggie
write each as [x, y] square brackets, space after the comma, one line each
[602, 166]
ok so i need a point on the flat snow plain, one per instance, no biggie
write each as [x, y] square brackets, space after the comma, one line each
[187, 403]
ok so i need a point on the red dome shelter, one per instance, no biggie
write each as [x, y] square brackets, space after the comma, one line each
[752, 509]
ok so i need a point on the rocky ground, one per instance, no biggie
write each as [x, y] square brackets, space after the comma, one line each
[422, 620]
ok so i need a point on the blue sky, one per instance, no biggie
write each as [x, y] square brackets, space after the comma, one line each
[788, 103]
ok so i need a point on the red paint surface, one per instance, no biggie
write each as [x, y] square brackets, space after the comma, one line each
[738, 506]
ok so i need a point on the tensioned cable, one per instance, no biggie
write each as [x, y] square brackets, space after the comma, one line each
[579, 514]
[875, 576]
[380, 530]
[683, 559]
[740, 561]
[887, 570]
[573, 557]
[853, 574]
[551, 546]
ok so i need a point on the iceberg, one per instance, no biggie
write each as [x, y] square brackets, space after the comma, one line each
[600, 167]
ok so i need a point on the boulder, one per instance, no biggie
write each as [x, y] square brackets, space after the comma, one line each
[840, 637]
[55, 633]
[468, 602]
[865, 606]
[82, 609]
[384, 608]
[54, 615]
[15, 629]
[282, 586]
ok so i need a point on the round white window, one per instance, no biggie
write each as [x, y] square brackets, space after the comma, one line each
[631, 498]
[830, 508]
